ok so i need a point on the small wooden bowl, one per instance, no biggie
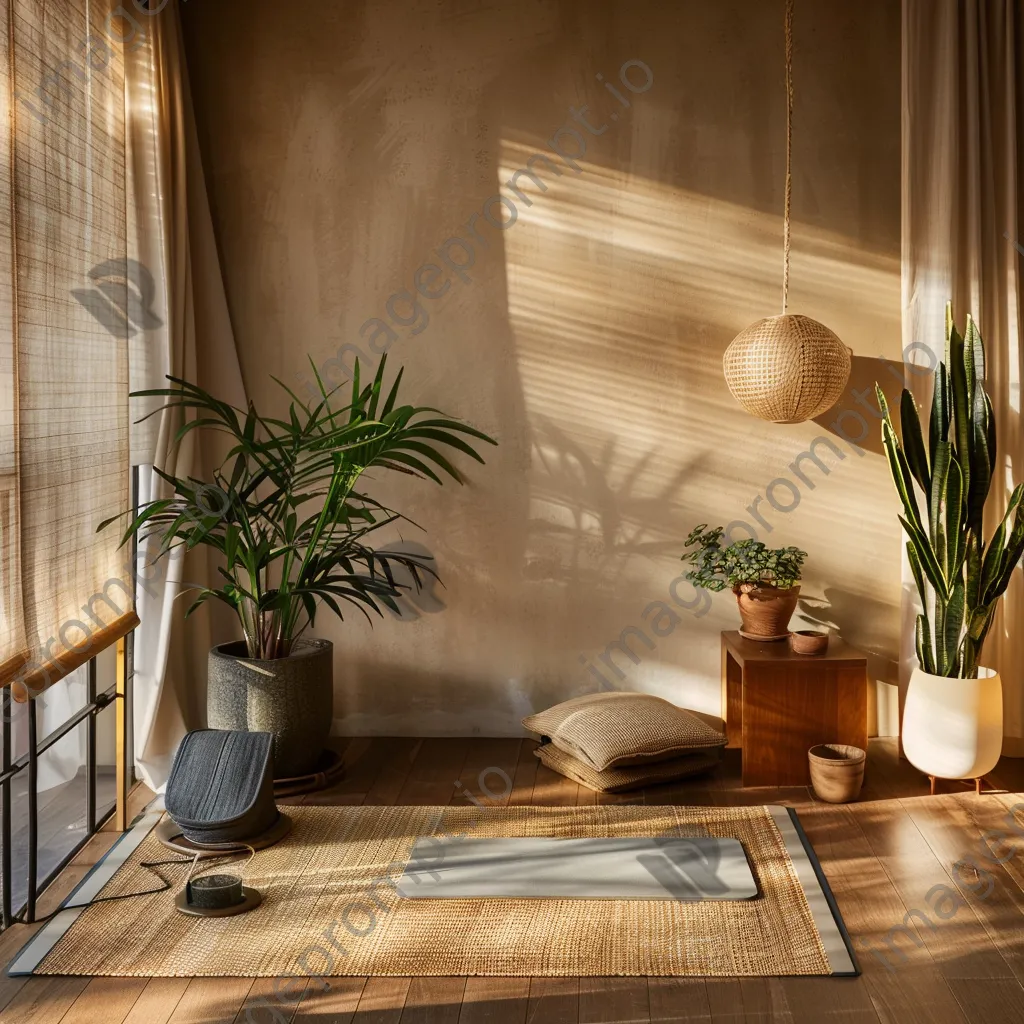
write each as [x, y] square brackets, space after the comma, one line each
[808, 641]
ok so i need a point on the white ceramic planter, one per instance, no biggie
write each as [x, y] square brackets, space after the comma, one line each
[953, 728]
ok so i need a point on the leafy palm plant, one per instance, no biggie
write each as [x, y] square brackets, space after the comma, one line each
[284, 510]
[959, 577]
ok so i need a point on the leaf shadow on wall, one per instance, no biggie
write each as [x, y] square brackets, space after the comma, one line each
[592, 526]
[417, 599]
[855, 418]
[859, 620]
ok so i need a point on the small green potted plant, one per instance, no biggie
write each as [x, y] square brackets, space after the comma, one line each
[289, 517]
[765, 580]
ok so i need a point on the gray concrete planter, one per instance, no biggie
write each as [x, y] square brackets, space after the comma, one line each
[291, 697]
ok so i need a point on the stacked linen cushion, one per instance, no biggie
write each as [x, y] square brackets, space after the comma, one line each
[613, 742]
[620, 780]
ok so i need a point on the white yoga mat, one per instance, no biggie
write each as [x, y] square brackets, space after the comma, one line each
[640, 868]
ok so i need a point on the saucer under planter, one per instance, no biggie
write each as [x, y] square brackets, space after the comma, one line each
[292, 697]
[765, 610]
[953, 728]
[762, 639]
[329, 770]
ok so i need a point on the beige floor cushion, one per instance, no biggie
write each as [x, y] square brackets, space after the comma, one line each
[619, 780]
[613, 730]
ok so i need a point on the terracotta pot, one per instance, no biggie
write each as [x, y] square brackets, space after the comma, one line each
[808, 641]
[837, 772]
[766, 610]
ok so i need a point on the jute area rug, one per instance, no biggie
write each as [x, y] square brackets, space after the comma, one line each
[330, 907]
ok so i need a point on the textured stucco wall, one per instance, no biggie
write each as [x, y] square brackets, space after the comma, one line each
[346, 144]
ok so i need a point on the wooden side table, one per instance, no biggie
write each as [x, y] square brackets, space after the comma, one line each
[777, 705]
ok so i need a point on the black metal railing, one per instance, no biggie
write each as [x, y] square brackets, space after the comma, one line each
[29, 764]
[120, 694]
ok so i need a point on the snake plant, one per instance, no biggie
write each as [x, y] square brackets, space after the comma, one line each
[960, 578]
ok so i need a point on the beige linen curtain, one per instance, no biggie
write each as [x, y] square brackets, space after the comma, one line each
[175, 239]
[963, 239]
[65, 591]
[109, 279]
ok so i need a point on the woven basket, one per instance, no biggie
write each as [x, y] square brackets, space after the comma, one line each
[786, 369]
[837, 771]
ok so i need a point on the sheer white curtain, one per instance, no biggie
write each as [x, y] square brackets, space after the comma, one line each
[963, 239]
[174, 235]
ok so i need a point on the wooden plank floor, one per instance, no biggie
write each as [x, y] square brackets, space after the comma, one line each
[898, 859]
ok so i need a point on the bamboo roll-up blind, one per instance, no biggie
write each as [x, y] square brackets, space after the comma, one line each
[65, 591]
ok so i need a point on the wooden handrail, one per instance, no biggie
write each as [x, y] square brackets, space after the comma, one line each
[25, 685]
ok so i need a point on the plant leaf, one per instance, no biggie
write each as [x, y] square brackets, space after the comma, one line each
[981, 459]
[953, 622]
[929, 563]
[913, 441]
[938, 425]
[961, 402]
[923, 643]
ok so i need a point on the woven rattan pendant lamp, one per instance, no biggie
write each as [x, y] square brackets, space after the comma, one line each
[787, 368]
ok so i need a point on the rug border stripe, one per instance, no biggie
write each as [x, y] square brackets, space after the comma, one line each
[38, 947]
[827, 919]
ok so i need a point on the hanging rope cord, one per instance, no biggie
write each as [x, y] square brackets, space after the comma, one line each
[789, 154]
